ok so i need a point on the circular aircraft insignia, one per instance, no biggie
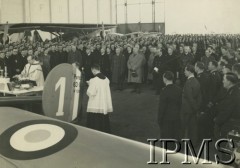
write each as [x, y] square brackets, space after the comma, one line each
[35, 139]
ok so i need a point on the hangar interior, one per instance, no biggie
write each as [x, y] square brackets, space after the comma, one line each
[202, 17]
[186, 37]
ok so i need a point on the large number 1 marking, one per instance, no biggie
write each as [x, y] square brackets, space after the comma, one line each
[61, 83]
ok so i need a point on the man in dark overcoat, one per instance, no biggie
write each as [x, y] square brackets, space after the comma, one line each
[169, 108]
[191, 102]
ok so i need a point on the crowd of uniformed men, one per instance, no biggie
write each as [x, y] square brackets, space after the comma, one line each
[197, 76]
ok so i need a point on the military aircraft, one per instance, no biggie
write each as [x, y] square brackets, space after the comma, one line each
[29, 140]
[59, 30]
[33, 141]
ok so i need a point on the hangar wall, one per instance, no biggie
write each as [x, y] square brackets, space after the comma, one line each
[140, 15]
[179, 16]
[144, 27]
[202, 16]
[183, 16]
[58, 11]
[143, 11]
[11, 12]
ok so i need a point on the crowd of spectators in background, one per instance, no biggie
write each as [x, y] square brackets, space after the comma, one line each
[176, 50]
[145, 59]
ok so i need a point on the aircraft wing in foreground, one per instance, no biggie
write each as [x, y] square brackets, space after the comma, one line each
[28, 140]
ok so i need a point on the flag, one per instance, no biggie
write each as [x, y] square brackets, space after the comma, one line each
[5, 33]
[205, 27]
[103, 32]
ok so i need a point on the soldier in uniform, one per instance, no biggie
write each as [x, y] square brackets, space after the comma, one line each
[158, 71]
[104, 63]
[146, 54]
[236, 70]
[150, 64]
[45, 64]
[207, 58]
[231, 57]
[81, 49]
[212, 53]
[2, 60]
[118, 68]
[205, 126]
[203, 78]
[191, 102]
[185, 59]
[229, 107]
[224, 51]
[214, 83]
[9, 64]
[23, 57]
[171, 61]
[53, 57]
[87, 63]
[195, 53]
[17, 65]
[169, 108]
[75, 56]
[62, 56]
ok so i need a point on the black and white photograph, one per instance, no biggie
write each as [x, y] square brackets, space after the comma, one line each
[119, 83]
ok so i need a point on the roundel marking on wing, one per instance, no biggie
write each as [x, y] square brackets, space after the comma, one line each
[35, 139]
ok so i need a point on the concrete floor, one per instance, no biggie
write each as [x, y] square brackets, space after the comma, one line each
[134, 115]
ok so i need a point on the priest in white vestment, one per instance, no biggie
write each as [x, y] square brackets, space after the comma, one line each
[32, 71]
[100, 101]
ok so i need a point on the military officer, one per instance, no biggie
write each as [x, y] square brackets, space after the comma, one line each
[236, 70]
[229, 107]
[169, 108]
[158, 71]
[191, 102]
[215, 82]
[205, 126]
